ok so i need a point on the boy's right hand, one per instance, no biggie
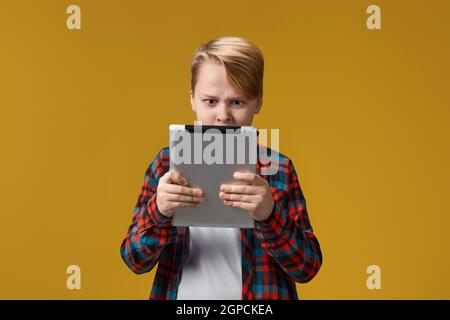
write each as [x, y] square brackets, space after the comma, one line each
[174, 192]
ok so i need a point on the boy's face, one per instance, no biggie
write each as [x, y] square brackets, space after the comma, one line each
[217, 102]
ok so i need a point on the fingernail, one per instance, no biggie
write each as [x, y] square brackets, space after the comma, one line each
[198, 193]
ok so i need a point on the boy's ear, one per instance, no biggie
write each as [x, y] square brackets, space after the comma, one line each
[191, 93]
[259, 105]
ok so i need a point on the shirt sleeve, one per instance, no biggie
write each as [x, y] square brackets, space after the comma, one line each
[150, 231]
[287, 234]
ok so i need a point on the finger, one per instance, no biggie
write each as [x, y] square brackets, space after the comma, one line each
[233, 188]
[181, 198]
[238, 204]
[187, 191]
[174, 205]
[250, 177]
[241, 182]
[237, 197]
[176, 177]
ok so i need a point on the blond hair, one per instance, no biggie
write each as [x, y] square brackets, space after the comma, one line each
[242, 59]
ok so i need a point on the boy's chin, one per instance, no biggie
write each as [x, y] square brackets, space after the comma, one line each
[226, 124]
[212, 123]
[217, 123]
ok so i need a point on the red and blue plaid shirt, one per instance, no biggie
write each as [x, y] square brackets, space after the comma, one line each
[275, 254]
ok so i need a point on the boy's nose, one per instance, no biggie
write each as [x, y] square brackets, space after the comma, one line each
[223, 115]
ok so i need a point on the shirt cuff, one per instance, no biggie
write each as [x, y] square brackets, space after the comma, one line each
[156, 217]
[273, 226]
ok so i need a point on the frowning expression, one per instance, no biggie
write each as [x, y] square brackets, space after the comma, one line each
[216, 101]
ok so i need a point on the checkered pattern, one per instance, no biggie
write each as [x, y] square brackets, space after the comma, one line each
[275, 254]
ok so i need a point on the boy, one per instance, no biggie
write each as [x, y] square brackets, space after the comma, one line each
[224, 263]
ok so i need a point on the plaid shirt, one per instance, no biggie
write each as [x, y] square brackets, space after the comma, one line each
[275, 254]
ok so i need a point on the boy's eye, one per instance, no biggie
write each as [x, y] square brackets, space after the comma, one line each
[233, 102]
[238, 102]
[209, 101]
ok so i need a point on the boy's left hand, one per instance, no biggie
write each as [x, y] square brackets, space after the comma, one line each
[254, 197]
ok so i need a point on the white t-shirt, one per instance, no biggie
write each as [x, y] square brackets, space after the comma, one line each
[213, 270]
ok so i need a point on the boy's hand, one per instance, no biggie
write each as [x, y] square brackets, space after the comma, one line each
[174, 192]
[255, 197]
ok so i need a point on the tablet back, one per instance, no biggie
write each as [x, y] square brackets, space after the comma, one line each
[208, 156]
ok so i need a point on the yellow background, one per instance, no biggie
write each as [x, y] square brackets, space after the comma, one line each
[364, 115]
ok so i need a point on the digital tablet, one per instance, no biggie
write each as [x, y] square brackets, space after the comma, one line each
[207, 156]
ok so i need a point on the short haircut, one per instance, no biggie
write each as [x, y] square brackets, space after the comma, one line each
[242, 59]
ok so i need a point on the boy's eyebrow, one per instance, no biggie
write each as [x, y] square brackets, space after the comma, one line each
[214, 97]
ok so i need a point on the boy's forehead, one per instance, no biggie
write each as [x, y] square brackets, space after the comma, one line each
[217, 91]
[214, 82]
